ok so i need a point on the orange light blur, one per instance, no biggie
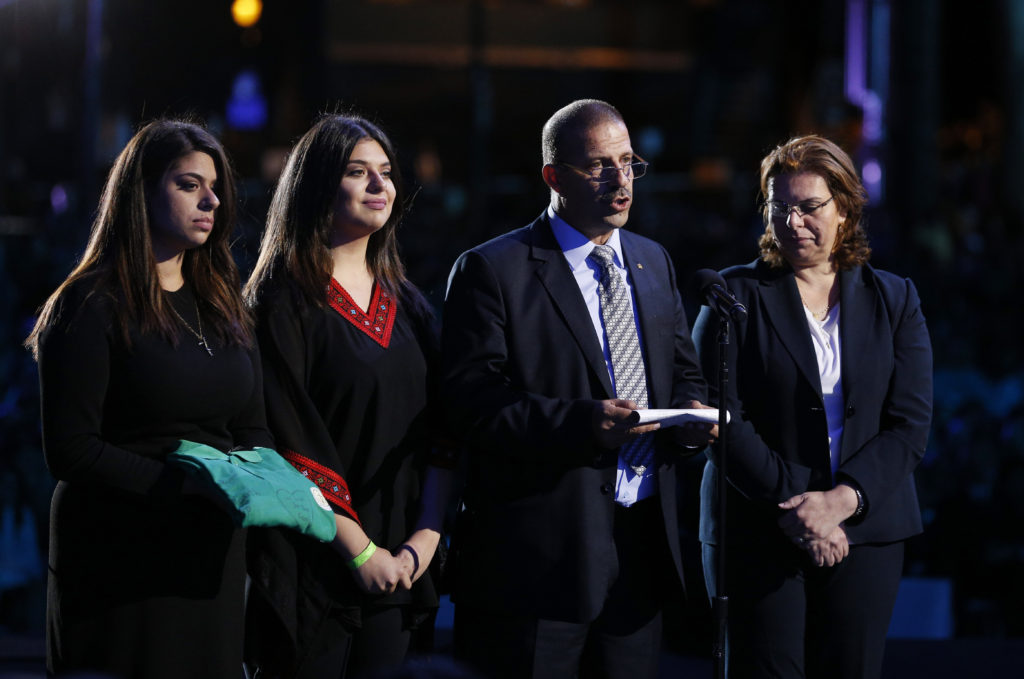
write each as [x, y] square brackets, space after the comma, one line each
[246, 12]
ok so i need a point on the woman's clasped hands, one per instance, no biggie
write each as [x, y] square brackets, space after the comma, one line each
[385, 572]
[814, 522]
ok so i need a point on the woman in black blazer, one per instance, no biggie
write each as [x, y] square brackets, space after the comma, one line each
[831, 401]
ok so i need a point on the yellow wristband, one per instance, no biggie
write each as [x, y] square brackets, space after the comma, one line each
[363, 556]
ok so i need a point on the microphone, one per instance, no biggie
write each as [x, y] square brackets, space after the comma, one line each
[713, 289]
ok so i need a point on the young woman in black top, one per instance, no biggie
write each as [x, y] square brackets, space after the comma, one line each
[349, 348]
[144, 344]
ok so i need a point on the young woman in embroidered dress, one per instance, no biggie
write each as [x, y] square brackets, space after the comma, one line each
[348, 348]
[145, 343]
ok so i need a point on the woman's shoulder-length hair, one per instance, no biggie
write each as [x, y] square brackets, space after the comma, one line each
[820, 156]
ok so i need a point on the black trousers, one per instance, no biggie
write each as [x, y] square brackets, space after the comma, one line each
[789, 618]
[382, 642]
[624, 642]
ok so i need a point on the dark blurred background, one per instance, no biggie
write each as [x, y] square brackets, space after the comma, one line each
[925, 95]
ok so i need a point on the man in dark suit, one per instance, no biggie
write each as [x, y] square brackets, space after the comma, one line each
[566, 547]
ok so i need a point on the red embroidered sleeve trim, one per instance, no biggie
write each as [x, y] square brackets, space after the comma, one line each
[377, 322]
[329, 482]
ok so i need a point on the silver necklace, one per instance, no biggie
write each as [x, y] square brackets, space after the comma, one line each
[199, 335]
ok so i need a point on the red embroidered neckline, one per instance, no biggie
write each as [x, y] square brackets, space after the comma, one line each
[376, 322]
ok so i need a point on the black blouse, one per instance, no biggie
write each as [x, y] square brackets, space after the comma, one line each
[128, 550]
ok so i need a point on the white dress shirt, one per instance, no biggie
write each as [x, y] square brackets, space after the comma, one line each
[825, 338]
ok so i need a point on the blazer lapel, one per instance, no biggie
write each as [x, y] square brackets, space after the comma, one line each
[857, 323]
[553, 272]
[784, 311]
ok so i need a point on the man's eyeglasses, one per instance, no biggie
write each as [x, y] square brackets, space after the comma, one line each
[608, 173]
[777, 208]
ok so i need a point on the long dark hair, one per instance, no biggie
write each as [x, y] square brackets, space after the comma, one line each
[299, 224]
[119, 255]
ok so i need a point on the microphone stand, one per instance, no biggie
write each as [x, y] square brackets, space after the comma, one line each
[720, 605]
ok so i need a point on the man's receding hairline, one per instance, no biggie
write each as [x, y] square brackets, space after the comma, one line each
[573, 120]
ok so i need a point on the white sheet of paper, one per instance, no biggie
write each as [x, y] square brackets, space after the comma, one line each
[670, 417]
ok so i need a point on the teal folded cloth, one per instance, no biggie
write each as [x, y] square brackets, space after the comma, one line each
[263, 488]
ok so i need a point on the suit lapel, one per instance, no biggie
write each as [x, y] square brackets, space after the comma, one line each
[856, 324]
[784, 311]
[553, 272]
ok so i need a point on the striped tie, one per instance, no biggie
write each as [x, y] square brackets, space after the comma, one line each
[628, 371]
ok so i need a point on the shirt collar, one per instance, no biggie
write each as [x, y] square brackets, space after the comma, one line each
[575, 246]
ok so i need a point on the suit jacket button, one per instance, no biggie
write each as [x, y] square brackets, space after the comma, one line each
[607, 488]
[850, 411]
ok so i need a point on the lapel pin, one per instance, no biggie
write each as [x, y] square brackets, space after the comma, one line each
[639, 265]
